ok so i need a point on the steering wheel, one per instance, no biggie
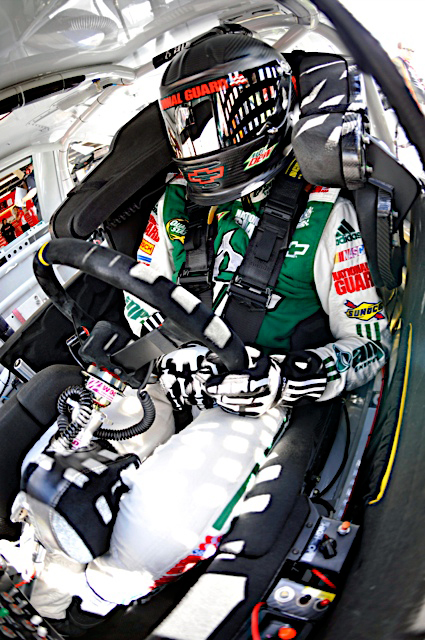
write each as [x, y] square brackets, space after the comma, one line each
[121, 271]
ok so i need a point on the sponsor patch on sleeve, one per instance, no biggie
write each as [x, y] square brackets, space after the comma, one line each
[352, 279]
[176, 229]
[150, 238]
[343, 359]
[364, 311]
[324, 194]
[366, 355]
[349, 254]
[147, 247]
[151, 230]
[346, 233]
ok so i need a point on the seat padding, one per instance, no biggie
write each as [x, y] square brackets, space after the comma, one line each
[23, 419]
[290, 459]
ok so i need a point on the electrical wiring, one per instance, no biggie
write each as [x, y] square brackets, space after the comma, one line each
[5, 385]
[255, 631]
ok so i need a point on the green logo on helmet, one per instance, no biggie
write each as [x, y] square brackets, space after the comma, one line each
[259, 156]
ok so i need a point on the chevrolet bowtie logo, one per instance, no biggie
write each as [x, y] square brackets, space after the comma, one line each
[205, 176]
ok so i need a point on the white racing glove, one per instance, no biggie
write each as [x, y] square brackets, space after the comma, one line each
[176, 375]
[267, 382]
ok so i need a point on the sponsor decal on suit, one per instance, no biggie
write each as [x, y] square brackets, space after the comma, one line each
[296, 249]
[304, 220]
[364, 311]
[176, 229]
[349, 254]
[346, 233]
[352, 279]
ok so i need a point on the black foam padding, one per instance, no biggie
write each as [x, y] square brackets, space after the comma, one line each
[387, 169]
[39, 395]
[260, 574]
[23, 420]
[365, 201]
[324, 76]
[18, 432]
[292, 453]
[139, 151]
[317, 145]
[41, 341]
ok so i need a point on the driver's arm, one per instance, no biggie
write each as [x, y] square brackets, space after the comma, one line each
[357, 321]
[155, 251]
[356, 313]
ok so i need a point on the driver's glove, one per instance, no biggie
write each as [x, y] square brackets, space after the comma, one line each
[268, 381]
[176, 375]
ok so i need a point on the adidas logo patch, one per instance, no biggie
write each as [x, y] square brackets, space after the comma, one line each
[346, 233]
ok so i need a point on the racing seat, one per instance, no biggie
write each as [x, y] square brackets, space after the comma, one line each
[125, 186]
[23, 419]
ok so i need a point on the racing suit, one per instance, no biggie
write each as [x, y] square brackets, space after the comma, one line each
[183, 496]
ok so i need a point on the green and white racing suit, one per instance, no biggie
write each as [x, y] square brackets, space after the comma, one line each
[181, 498]
[325, 267]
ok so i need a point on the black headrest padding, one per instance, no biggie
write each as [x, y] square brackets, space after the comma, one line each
[139, 151]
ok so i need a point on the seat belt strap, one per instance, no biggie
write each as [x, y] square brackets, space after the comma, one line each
[196, 272]
[252, 286]
[384, 233]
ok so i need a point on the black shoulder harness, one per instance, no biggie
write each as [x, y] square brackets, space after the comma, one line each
[251, 287]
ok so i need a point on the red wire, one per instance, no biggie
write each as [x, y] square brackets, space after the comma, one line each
[255, 631]
[21, 584]
[323, 578]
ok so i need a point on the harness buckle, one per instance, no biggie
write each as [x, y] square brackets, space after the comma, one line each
[196, 282]
[249, 295]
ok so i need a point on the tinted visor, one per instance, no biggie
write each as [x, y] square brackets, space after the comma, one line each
[224, 112]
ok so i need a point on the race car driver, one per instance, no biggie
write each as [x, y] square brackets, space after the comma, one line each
[227, 101]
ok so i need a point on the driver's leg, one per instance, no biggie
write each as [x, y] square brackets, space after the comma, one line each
[176, 502]
[62, 577]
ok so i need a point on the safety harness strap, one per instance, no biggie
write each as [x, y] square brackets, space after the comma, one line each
[252, 286]
[196, 272]
[384, 235]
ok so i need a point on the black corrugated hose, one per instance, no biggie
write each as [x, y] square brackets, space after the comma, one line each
[67, 430]
[142, 426]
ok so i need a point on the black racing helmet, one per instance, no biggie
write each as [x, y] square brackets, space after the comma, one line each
[226, 101]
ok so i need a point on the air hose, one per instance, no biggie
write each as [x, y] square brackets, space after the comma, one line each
[68, 431]
[142, 426]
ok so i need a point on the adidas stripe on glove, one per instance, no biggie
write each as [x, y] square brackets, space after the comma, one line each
[267, 382]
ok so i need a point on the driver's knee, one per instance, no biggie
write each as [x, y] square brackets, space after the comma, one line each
[181, 492]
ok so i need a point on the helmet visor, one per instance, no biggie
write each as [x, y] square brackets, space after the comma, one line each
[229, 110]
